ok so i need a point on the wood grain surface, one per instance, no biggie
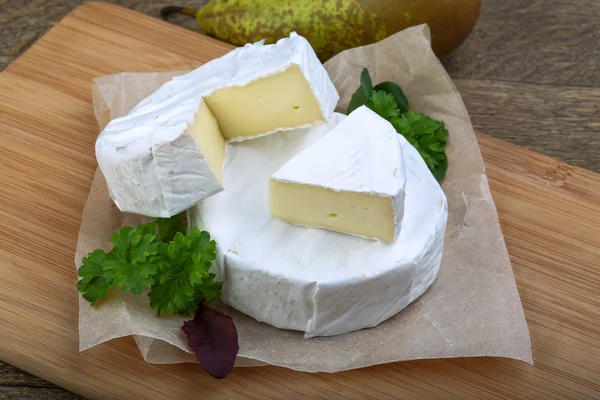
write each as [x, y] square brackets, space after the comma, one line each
[549, 212]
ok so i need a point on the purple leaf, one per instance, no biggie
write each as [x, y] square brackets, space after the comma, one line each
[213, 338]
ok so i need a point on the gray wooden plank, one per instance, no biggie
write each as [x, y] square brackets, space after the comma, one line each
[16, 384]
[35, 393]
[535, 41]
[559, 121]
[11, 376]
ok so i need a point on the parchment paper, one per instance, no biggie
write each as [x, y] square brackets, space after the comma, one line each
[473, 309]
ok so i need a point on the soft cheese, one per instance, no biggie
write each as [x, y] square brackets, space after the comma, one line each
[350, 181]
[315, 280]
[205, 131]
[280, 101]
[167, 154]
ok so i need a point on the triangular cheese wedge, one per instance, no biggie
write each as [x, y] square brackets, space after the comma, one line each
[351, 181]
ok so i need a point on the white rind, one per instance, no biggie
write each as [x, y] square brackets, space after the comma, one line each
[157, 176]
[362, 154]
[317, 281]
[135, 151]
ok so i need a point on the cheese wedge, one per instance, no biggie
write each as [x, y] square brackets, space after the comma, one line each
[205, 131]
[351, 181]
[276, 102]
[167, 154]
[317, 281]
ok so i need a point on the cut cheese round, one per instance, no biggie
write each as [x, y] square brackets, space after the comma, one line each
[167, 154]
[317, 281]
[350, 181]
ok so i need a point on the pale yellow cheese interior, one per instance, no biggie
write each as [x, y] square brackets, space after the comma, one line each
[359, 214]
[207, 135]
[283, 100]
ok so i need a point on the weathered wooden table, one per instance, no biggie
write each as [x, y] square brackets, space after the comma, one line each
[528, 75]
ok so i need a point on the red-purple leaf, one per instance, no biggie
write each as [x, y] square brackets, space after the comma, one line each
[213, 338]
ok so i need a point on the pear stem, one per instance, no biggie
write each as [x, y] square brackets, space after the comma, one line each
[167, 11]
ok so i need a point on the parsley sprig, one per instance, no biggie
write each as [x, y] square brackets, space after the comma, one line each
[164, 256]
[427, 135]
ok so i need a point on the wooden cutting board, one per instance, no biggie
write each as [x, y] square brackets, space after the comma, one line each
[549, 211]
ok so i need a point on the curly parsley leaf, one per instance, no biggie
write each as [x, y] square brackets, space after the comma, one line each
[428, 136]
[174, 262]
[362, 95]
[394, 90]
[183, 277]
[129, 264]
[209, 288]
[383, 104]
[162, 255]
[92, 284]
[165, 228]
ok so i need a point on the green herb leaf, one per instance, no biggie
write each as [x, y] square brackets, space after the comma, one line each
[92, 284]
[94, 290]
[128, 264]
[183, 277]
[358, 99]
[362, 94]
[165, 228]
[383, 104]
[439, 172]
[394, 90]
[162, 255]
[428, 136]
[366, 83]
[210, 289]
